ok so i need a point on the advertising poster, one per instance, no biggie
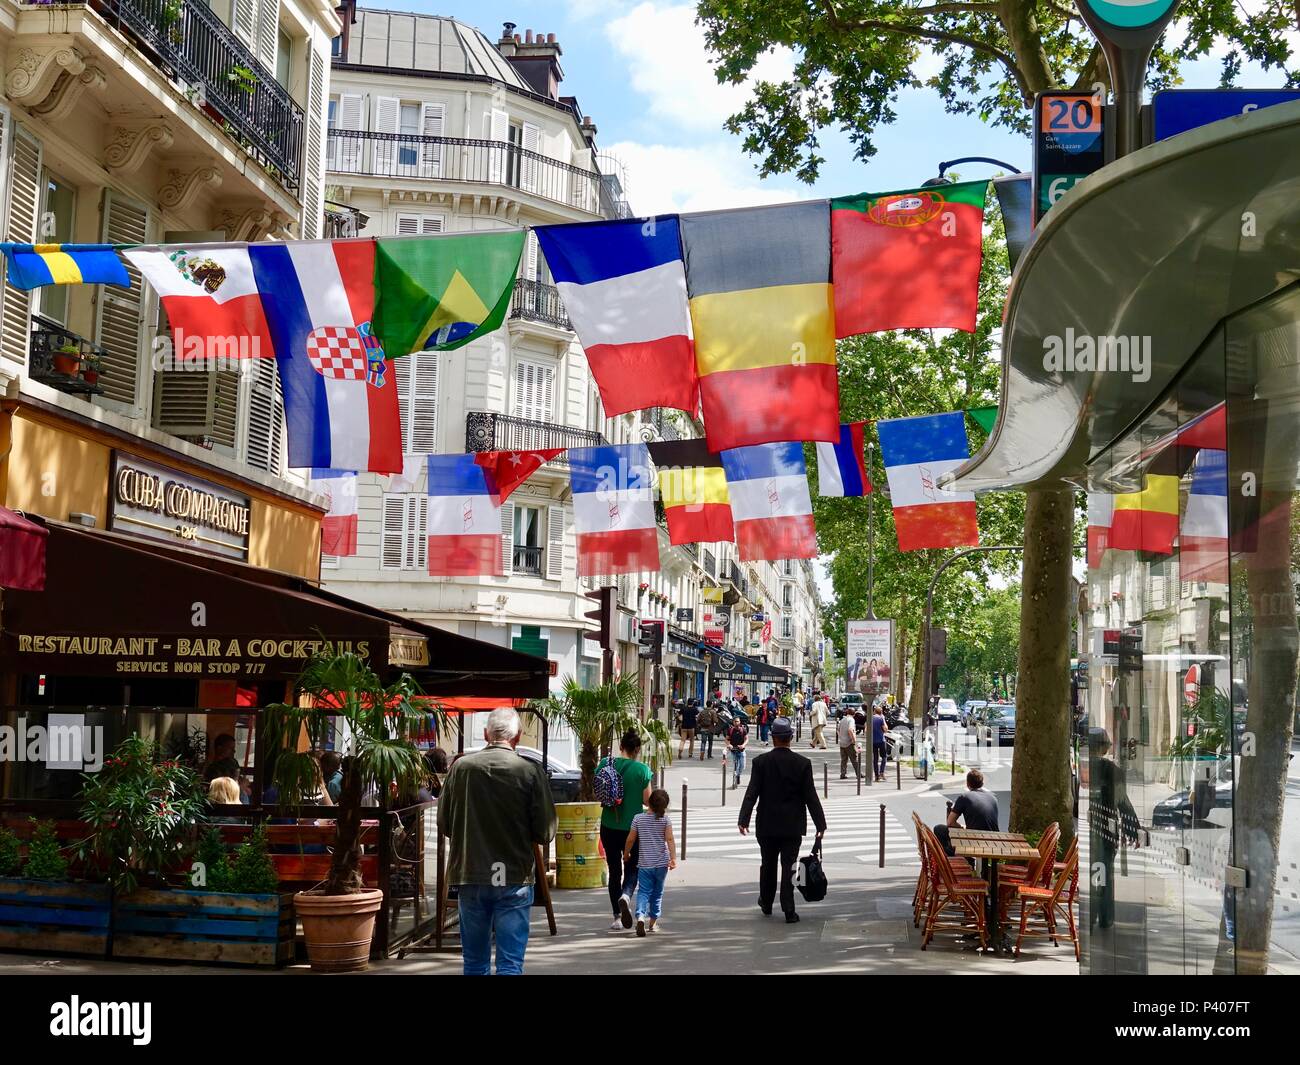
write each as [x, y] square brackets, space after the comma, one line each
[870, 656]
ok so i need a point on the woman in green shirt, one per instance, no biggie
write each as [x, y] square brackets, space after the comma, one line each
[616, 823]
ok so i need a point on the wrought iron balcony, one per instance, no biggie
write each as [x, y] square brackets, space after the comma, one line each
[465, 159]
[710, 563]
[188, 42]
[528, 560]
[49, 339]
[488, 431]
[539, 302]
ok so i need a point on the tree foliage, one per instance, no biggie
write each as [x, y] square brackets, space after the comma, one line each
[982, 651]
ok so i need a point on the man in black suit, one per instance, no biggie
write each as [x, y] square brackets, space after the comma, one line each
[781, 782]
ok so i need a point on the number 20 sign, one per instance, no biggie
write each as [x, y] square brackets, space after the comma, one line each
[1069, 144]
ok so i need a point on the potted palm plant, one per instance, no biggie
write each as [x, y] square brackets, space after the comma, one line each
[381, 722]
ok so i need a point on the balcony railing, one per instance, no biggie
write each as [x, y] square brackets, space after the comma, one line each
[221, 76]
[487, 431]
[710, 563]
[49, 338]
[528, 560]
[464, 159]
[539, 302]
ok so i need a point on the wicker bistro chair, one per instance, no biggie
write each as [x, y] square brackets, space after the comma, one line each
[1047, 903]
[961, 868]
[953, 903]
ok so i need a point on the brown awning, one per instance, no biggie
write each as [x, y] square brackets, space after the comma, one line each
[114, 607]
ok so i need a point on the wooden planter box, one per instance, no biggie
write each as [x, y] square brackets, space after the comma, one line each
[54, 917]
[204, 926]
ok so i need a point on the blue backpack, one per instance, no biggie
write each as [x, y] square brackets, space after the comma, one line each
[608, 785]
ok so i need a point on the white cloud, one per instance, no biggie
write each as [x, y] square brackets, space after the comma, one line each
[668, 64]
[664, 178]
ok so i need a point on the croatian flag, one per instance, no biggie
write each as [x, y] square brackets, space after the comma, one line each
[770, 503]
[624, 286]
[340, 396]
[917, 451]
[1101, 512]
[464, 525]
[1203, 538]
[613, 509]
[211, 298]
[841, 468]
[338, 529]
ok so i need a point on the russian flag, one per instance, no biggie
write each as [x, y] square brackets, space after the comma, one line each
[1101, 510]
[340, 398]
[841, 468]
[770, 503]
[211, 298]
[1203, 537]
[338, 529]
[916, 452]
[624, 286]
[613, 509]
[463, 523]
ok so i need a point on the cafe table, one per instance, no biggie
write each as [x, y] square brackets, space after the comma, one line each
[992, 848]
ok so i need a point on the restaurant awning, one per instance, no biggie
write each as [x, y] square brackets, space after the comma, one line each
[112, 606]
[22, 552]
[727, 665]
[1158, 247]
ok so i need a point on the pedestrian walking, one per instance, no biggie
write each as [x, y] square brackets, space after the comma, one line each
[737, 738]
[705, 722]
[616, 823]
[495, 807]
[817, 717]
[846, 733]
[879, 746]
[689, 722]
[781, 783]
[652, 835]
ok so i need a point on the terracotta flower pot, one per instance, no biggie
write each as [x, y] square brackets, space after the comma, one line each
[67, 364]
[90, 376]
[338, 928]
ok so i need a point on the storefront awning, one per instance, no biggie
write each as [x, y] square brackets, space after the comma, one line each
[114, 607]
[22, 552]
[727, 665]
[1154, 251]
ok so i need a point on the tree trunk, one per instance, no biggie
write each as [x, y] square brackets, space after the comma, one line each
[587, 759]
[1040, 770]
[916, 706]
[345, 869]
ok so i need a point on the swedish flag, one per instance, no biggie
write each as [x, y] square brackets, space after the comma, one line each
[33, 265]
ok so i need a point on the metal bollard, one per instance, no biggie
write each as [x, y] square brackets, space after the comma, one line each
[954, 757]
[882, 835]
[859, 776]
[724, 778]
[898, 772]
[826, 781]
[685, 790]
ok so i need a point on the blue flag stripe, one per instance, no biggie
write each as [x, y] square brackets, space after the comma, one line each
[613, 467]
[595, 251]
[850, 464]
[929, 438]
[1210, 473]
[456, 475]
[764, 460]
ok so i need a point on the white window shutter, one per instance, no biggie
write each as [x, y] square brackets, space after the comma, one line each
[431, 224]
[528, 165]
[555, 542]
[119, 312]
[415, 545]
[394, 526]
[431, 125]
[499, 131]
[530, 256]
[508, 538]
[313, 204]
[243, 18]
[268, 22]
[387, 119]
[423, 405]
[23, 199]
[346, 155]
[408, 225]
[265, 417]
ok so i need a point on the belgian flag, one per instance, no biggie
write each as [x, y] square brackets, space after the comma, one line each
[693, 488]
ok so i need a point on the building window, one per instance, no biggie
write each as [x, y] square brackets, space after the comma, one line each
[405, 542]
[787, 628]
[787, 597]
[336, 46]
[283, 58]
[529, 545]
[534, 391]
[55, 227]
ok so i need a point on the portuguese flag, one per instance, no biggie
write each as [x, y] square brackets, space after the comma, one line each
[907, 260]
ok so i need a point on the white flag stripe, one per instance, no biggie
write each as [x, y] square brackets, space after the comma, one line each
[472, 515]
[829, 481]
[647, 305]
[917, 484]
[769, 497]
[1101, 508]
[598, 512]
[165, 276]
[1206, 515]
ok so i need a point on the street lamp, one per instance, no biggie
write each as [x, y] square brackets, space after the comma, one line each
[943, 167]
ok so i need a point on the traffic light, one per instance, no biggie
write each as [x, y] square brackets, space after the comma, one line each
[1130, 651]
[651, 638]
[938, 647]
[604, 617]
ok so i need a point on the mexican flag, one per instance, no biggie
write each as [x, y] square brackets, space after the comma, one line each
[439, 293]
[907, 260]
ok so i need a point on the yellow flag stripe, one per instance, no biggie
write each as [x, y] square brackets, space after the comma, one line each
[693, 485]
[63, 267]
[781, 325]
[1160, 496]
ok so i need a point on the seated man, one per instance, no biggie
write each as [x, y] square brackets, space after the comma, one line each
[978, 807]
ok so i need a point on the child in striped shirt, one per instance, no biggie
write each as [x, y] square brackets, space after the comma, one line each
[657, 854]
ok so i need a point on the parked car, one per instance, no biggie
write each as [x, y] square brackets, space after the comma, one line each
[565, 780]
[946, 710]
[850, 701]
[1176, 811]
[997, 719]
[969, 707]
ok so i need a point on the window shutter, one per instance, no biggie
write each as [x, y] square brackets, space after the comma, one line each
[499, 131]
[119, 312]
[530, 256]
[388, 118]
[265, 417]
[415, 543]
[346, 155]
[198, 403]
[508, 538]
[431, 224]
[394, 525]
[408, 225]
[268, 20]
[312, 203]
[534, 386]
[244, 20]
[24, 198]
[528, 166]
[431, 123]
[417, 402]
[555, 542]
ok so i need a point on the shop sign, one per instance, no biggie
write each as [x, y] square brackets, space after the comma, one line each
[685, 613]
[156, 502]
[408, 651]
[1069, 144]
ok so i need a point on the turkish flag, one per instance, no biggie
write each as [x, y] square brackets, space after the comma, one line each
[507, 470]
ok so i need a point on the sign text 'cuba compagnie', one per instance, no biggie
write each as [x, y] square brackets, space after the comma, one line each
[157, 502]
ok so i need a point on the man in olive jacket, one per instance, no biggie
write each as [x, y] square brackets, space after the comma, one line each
[494, 806]
[781, 782]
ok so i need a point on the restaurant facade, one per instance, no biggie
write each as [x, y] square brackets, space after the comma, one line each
[1189, 813]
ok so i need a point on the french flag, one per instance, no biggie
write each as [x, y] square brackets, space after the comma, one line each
[338, 529]
[917, 452]
[1101, 512]
[613, 509]
[1203, 537]
[463, 523]
[340, 396]
[770, 503]
[841, 468]
[624, 286]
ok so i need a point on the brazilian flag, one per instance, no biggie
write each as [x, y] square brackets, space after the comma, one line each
[439, 293]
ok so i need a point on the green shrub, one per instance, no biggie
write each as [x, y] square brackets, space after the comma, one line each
[11, 859]
[45, 860]
[252, 872]
[216, 862]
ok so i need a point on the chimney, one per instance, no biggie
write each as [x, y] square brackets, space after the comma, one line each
[588, 129]
[506, 46]
[536, 58]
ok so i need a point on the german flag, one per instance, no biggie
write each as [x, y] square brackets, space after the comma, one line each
[759, 282]
[693, 487]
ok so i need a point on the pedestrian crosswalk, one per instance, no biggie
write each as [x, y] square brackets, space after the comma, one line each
[852, 834]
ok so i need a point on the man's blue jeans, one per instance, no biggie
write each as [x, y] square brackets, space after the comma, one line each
[503, 911]
[738, 760]
[762, 733]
